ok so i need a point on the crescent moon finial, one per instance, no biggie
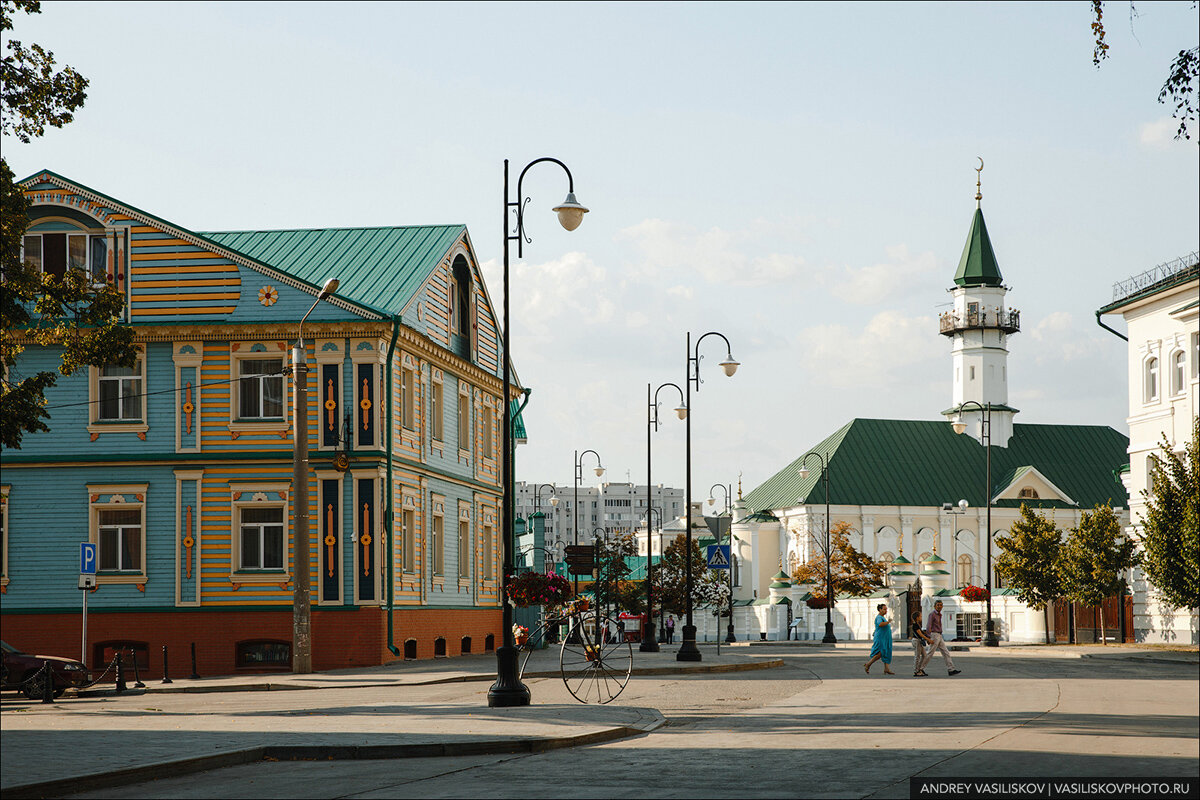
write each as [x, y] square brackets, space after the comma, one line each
[978, 187]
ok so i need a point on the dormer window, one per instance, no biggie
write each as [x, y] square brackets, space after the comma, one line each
[1028, 493]
[56, 252]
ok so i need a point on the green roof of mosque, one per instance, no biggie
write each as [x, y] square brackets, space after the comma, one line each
[892, 462]
[978, 266]
[381, 268]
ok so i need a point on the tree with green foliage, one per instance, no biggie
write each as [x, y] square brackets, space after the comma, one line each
[1182, 75]
[1028, 561]
[853, 572]
[1170, 535]
[68, 312]
[1094, 559]
[670, 578]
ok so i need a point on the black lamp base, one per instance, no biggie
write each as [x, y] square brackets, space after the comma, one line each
[729, 637]
[649, 641]
[507, 691]
[829, 637]
[688, 650]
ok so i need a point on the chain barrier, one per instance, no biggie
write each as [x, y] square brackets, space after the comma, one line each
[39, 677]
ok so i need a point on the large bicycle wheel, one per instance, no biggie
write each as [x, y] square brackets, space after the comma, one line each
[594, 669]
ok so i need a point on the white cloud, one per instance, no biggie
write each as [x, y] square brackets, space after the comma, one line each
[900, 274]
[718, 255]
[1160, 134]
[885, 351]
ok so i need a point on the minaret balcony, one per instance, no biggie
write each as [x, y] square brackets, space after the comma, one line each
[1007, 320]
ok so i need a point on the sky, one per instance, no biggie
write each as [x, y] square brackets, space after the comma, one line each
[797, 177]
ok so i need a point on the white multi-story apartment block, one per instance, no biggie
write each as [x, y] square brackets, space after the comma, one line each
[603, 510]
[1161, 308]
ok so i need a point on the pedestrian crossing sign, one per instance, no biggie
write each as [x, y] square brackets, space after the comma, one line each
[718, 556]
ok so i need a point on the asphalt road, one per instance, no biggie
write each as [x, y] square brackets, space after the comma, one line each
[816, 727]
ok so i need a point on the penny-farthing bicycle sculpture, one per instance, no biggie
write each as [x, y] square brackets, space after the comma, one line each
[594, 665]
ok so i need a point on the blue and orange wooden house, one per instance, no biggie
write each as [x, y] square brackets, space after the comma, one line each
[180, 468]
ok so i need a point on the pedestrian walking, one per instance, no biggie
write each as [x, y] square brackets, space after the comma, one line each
[881, 645]
[670, 630]
[937, 644]
[919, 641]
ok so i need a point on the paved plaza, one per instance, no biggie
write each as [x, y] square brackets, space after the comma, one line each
[770, 720]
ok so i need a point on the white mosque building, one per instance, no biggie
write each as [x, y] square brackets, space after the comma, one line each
[898, 484]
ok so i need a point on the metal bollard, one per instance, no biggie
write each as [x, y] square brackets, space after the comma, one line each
[120, 674]
[165, 678]
[47, 684]
[195, 676]
[137, 678]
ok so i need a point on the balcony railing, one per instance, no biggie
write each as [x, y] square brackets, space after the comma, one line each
[1007, 320]
[1162, 273]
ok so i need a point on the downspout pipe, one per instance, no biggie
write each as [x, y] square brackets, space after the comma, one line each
[1100, 322]
[387, 503]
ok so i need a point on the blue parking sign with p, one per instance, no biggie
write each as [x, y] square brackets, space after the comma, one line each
[87, 558]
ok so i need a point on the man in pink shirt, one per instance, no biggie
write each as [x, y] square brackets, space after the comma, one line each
[934, 629]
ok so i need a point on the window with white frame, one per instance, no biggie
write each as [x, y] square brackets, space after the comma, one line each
[489, 448]
[118, 398]
[464, 421]
[436, 411]
[260, 388]
[437, 544]
[119, 391]
[117, 528]
[120, 539]
[261, 543]
[464, 547]
[887, 560]
[964, 570]
[408, 398]
[1195, 356]
[1150, 380]
[408, 546]
[55, 253]
[1178, 372]
[488, 532]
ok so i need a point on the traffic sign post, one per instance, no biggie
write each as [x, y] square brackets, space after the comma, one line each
[581, 559]
[718, 556]
[87, 582]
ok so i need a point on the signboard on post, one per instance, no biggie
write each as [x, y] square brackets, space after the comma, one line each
[581, 559]
[87, 558]
[718, 556]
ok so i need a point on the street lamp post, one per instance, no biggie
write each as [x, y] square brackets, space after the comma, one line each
[829, 638]
[649, 637]
[989, 639]
[537, 504]
[728, 490]
[687, 649]
[508, 689]
[600, 535]
[301, 596]
[956, 509]
[649, 644]
[579, 479]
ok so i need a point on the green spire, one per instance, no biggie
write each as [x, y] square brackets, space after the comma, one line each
[978, 266]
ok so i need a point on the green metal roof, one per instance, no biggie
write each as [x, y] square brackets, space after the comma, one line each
[978, 266]
[381, 268]
[518, 422]
[924, 463]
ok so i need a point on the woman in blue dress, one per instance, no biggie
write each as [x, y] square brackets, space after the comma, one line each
[881, 644]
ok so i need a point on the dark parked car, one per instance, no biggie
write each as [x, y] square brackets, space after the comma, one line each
[19, 669]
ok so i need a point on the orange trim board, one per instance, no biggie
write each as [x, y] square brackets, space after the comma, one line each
[173, 256]
[172, 270]
[160, 243]
[174, 298]
[149, 312]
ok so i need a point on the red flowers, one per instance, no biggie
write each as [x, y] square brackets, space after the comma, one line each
[973, 594]
[538, 589]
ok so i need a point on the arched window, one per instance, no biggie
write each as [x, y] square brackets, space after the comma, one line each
[1028, 493]
[887, 559]
[1150, 381]
[964, 570]
[924, 557]
[410, 649]
[1178, 373]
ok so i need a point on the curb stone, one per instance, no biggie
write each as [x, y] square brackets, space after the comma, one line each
[650, 721]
